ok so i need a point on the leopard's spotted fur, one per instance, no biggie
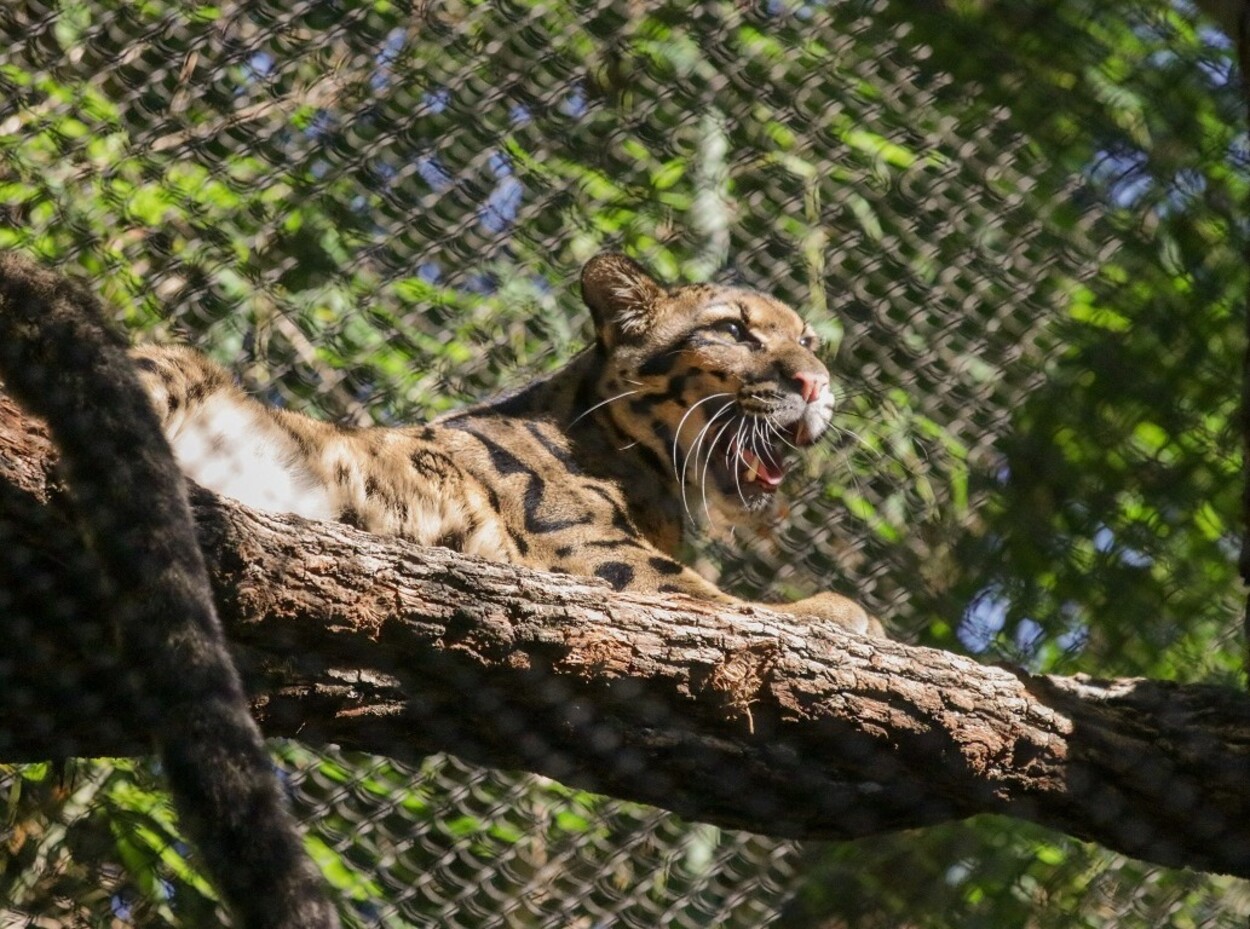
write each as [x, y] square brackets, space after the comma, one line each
[689, 398]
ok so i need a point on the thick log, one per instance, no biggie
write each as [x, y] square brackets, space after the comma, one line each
[743, 718]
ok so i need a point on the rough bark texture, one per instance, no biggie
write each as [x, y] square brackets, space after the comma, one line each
[737, 717]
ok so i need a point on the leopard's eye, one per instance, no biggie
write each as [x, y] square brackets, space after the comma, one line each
[808, 342]
[731, 328]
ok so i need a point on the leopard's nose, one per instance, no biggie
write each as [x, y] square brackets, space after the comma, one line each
[811, 384]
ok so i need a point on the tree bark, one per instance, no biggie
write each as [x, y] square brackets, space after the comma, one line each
[740, 717]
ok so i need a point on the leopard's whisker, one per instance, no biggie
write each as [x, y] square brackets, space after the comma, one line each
[761, 444]
[677, 432]
[585, 413]
[707, 461]
[738, 471]
[694, 454]
[837, 431]
[779, 435]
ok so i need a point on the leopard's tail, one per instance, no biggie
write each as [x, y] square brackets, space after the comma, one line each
[58, 359]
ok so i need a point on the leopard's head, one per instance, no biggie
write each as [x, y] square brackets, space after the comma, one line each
[722, 382]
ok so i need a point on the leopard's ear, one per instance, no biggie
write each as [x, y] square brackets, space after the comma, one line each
[621, 295]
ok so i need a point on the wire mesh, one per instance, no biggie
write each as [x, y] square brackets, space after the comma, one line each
[1017, 227]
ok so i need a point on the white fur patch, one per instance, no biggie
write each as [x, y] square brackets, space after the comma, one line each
[231, 446]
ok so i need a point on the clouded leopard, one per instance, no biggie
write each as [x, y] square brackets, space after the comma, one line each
[693, 392]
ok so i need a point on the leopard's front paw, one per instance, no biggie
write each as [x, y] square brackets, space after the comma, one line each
[837, 609]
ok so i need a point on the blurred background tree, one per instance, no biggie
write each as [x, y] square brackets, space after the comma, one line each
[1019, 226]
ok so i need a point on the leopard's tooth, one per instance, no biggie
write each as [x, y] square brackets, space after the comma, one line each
[753, 465]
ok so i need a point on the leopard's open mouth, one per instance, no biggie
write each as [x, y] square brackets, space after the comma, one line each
[755, 460]
[761, 470]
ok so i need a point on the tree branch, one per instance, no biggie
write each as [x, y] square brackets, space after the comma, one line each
[743, 718]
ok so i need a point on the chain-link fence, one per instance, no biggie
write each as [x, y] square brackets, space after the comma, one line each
[1018, 228]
